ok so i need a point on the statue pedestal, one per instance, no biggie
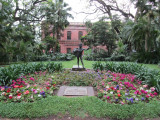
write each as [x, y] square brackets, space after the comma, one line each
[75, 68]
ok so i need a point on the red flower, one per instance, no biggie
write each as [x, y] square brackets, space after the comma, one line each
[16, 86]
[10, 96]
[54, 85]
[9, 90]
[48, 88]
[20, 86]
[112, 88]
[147, 96]
[119, 95]
[118, 91]
[19, 94]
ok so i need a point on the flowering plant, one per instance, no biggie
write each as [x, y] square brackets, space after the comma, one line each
[124, 89]
[28, 88]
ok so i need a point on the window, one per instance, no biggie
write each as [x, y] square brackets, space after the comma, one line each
[68, 35]
[68, 50]
[80, 34]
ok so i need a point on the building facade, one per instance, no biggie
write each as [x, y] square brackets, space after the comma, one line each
[71, 35]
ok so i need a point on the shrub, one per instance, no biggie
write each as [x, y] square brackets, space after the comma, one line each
[146, 57]
[15, 71]
[62, 57]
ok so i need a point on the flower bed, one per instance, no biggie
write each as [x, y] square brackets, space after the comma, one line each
[28, 88]
[124, 89]
[111, 87]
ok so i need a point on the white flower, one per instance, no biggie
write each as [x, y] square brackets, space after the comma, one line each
[39, 95]
[136, 99]
[111, 92]
[141, 88]
[107, 86]
[18, 97]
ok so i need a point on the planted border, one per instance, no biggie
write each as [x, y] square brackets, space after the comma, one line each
[15, 71]
[147, 76]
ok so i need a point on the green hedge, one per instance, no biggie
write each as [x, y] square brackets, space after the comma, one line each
[12, 72]
[147, 76]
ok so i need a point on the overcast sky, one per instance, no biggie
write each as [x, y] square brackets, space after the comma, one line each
[82, 6]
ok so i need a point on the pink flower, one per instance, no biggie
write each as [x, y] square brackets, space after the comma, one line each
[26, 92]
[2, 89]
[109, 83]
[104, 96]
[31, 78]
[147, 96]
[155, 93]
[145, 86]
[152, 89]
[122, 103]
[35, 92]
[108, 97]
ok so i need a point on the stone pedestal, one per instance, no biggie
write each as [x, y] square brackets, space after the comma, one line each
[76, 68]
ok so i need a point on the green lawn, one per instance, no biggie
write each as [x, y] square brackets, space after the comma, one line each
[88, 64]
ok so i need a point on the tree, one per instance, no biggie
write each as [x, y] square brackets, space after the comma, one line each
[19, 20]
[100, 33]
[56, 22]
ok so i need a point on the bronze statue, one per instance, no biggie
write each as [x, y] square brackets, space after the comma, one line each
[78, 53]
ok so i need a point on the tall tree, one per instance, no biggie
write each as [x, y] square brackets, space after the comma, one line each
[100, 33]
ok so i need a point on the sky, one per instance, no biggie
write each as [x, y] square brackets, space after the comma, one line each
[79, 6]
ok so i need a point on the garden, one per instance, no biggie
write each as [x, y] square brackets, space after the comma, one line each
[122, 60]
[122, 91]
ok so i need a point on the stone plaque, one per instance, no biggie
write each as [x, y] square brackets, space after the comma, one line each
[75, 91]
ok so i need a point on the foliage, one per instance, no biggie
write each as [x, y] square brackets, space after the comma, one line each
[146, 57]
[20, 23]
[15, 71]
[99, 33]
[62, 57]
[95, 54]
[147, 76]
[73, 78]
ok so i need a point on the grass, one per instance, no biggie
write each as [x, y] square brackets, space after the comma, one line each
[91, 106]
[88, 64]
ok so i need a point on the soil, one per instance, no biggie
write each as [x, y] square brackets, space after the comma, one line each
[61, 117]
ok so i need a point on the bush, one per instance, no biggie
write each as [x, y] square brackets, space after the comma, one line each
[147, 76]
[96, 55]
[15, 71]
[62, 57]
[146, 57]
[120, 57]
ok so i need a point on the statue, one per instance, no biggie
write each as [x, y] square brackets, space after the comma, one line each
[78, 53]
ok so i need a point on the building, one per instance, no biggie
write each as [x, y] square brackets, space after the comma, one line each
[70, 38]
